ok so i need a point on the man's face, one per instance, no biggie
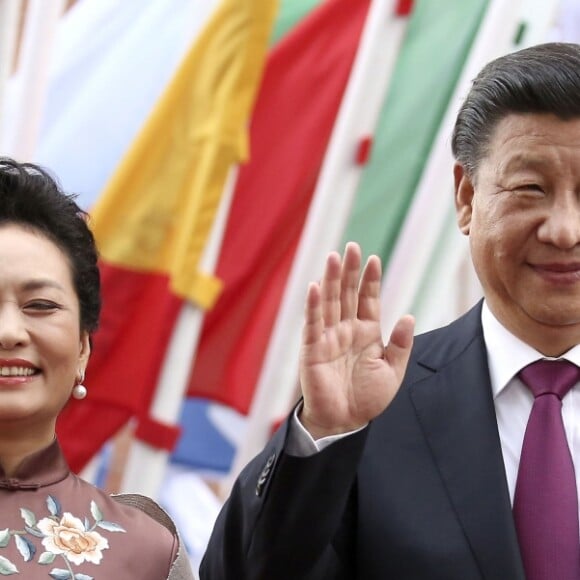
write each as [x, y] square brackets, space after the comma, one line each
[522, 214]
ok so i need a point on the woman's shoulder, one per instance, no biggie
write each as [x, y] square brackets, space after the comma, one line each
[147, 506]
[146, 527]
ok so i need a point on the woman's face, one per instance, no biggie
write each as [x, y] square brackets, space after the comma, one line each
[42, 349]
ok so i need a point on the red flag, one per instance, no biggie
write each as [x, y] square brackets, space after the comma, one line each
[301, 92]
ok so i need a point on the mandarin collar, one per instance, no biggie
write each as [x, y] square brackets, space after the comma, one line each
[42, 468]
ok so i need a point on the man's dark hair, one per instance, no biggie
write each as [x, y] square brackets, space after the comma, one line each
[541, 79]
[30, 197]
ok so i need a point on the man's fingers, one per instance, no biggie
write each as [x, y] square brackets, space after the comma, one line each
[313, 322]
[340, 295]
[349, 281]
[330, 290]
[369, 290]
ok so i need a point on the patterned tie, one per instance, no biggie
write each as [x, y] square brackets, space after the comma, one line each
[546, 501]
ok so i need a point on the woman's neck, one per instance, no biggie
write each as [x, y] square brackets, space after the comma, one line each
[16, 446]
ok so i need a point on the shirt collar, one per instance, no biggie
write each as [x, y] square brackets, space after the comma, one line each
[507, 355]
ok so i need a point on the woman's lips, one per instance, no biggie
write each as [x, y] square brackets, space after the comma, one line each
[16, 371]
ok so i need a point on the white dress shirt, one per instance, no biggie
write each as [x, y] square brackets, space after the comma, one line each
[507, 355]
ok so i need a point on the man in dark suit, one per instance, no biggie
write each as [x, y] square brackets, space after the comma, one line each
[402, 462]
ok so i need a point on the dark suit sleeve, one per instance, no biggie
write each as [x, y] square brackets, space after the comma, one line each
[289, 517]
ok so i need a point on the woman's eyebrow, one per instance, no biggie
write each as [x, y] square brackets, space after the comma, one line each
[39, 283]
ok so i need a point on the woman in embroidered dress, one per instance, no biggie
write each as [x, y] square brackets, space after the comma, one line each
[52, 523]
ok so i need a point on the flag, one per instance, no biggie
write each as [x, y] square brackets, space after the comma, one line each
[153, 218]
[438, 41]
[433, 199]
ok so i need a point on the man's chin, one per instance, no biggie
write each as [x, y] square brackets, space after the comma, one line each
[556, 318]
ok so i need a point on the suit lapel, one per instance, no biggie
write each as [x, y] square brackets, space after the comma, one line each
[456, 412]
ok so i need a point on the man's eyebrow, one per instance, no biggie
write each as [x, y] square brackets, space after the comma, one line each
[526, 160]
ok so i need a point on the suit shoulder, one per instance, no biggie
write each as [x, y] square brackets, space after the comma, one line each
[437, 347]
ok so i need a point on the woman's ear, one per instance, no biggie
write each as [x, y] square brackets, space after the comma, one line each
[464, 192]
[85, 350]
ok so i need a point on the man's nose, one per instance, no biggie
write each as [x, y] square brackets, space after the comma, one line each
[12, 327]
[561, 227]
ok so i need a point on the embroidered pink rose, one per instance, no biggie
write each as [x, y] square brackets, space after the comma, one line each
[70, 538]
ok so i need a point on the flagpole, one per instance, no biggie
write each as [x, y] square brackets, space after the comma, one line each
[31, 79]
[434, 195]
[145, 467]
[378, 49]
[9, 19]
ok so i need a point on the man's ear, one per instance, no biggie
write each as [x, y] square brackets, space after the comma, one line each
[464, 192]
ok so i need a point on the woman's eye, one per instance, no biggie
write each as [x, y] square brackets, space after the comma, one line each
[41, 305]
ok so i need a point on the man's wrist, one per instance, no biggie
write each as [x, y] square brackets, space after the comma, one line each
[318, 431]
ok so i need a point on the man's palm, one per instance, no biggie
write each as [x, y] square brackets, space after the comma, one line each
[347, 377]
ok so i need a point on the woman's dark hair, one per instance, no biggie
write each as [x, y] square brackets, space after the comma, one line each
[541, 79]
[32, 198]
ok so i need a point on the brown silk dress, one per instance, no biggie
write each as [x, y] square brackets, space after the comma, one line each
[55, 525]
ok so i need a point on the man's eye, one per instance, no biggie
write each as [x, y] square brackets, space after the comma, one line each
[530, 187]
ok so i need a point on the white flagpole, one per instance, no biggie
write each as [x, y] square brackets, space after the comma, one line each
[434, 196]
[31, 80]
[9, 20]
[372, 70]
[145, 467]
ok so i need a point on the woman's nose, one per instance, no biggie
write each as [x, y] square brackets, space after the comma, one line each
[12, 327]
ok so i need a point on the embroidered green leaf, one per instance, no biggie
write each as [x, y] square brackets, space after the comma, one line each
[83, 577]
[7, 568]
[110, 526]
[46, 558]
[25, 547]
[28, 517]
[34, 532]
[53, 506]
[60, 574]
[4, 537]
[96, 512]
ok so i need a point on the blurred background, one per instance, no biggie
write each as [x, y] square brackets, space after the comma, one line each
[222, 148]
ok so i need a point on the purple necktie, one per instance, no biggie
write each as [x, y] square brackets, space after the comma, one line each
[546, 501]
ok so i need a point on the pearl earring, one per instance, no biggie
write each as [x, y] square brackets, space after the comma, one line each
[80, 391]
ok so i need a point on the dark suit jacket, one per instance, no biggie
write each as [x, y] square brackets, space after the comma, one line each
[420, 494]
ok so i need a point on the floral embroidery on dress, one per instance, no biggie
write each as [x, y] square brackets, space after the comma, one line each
[62, 535]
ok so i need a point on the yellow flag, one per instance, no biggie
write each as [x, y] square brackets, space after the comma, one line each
[157, 210]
